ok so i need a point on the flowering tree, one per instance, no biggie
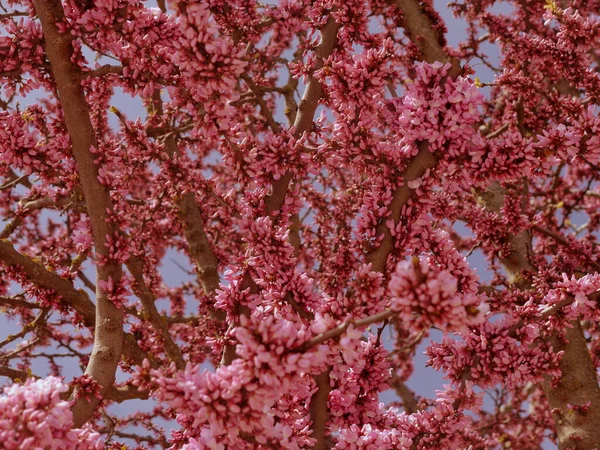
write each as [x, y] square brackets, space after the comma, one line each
[321, 168]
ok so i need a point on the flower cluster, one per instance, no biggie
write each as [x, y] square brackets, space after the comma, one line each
[443, 117]
[259, 395]
[355, 438]
[579, 294]
[504, 347]
[426, 295]
[208, 62]
[33, 416]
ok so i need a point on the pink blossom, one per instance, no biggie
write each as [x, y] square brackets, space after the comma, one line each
[33, 416]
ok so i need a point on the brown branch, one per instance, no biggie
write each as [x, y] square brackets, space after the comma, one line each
[498, 132]
[578, 383]
[19, 71]
[199, 246]
[555, 308]
[24, 346]
[86, 281]
[421, 32]
[289, 89]
[416, 168]
[13, 182]
[17, 302]
[103, 70]
[14, 14]
[341, 328]
[306, 111]
[192, 320]
[73, 298]
[409, 399]
[519, 259]
[318, 410]
[156, 320]
[15, 374]
[31, 326]
[264, 108]
[426, 39]
[121, 394]
[294, 236]
[34, 205]
[561, 240]
[108, 339]
[45, 279]
[158, 441]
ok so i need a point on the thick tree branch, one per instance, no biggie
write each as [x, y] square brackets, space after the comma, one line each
[306, 110]
[108, 340]
[190, 215]
[409, 399]
[43, 278]
[578, 383]
[121, 394]
[14, 374]
[199, 246]
[422, 34]
[420, 31]
[318, 410]
[416, 168]
[71, 297]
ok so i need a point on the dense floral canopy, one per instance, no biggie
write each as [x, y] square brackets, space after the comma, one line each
[318, 174]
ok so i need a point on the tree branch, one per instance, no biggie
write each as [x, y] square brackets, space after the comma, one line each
[14, 374]
[45, 279]
[264, 109]
[103, 70]
[11, 14]
[17, 302]
[426, 39]
[156, 320]
[420, 31]
[306, 111]
[71, 297]
[108, 340]
[578, 383]
[190, 215]
[409, 399]
[318, 410]
[341, 329]
[561, 240]
[121, 394]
